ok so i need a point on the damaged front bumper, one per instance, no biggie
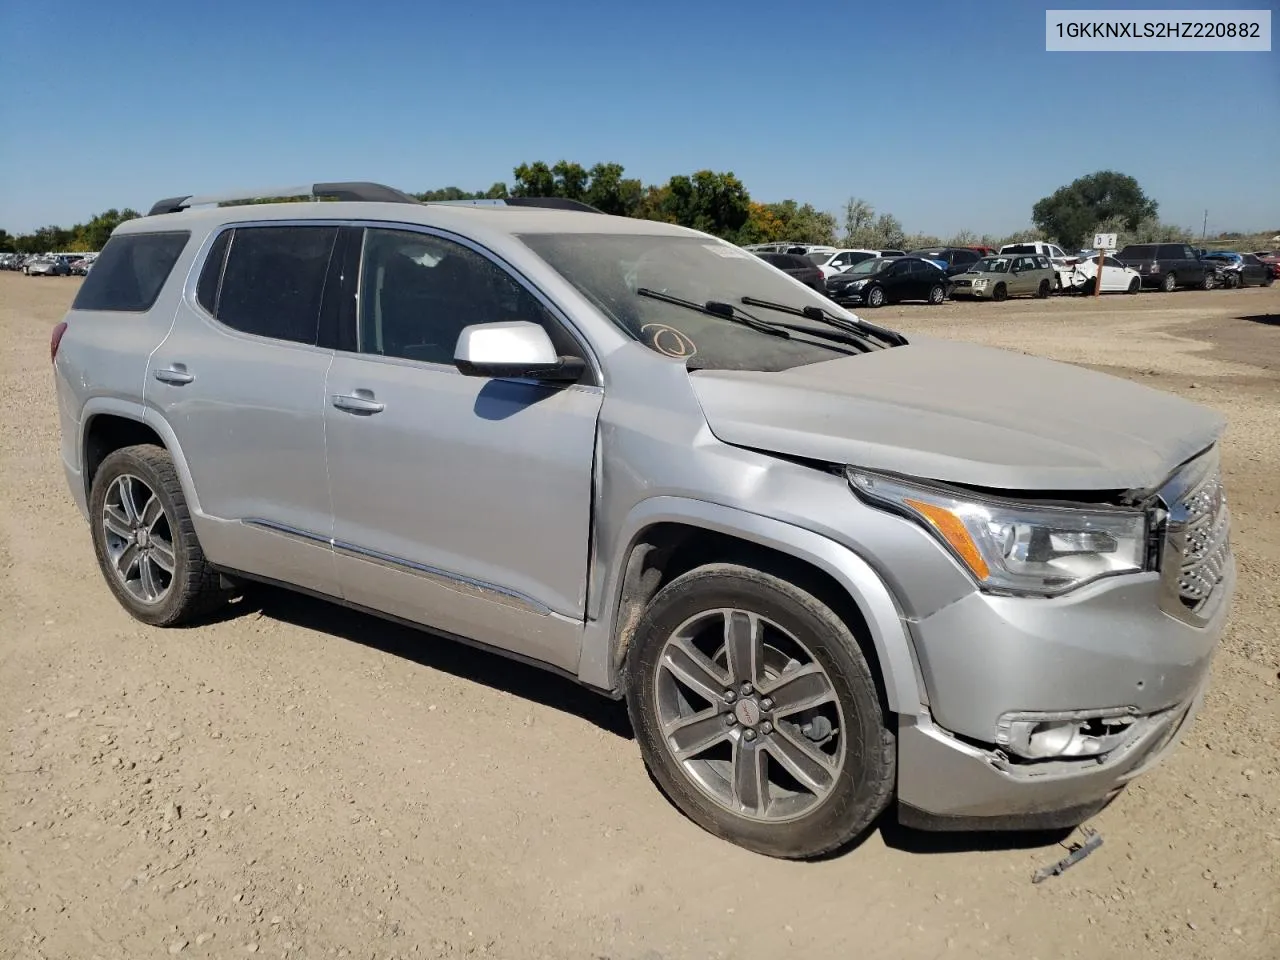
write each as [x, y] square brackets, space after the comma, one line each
[948, 784]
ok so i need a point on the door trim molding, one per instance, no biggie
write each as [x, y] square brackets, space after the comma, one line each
[480, 589]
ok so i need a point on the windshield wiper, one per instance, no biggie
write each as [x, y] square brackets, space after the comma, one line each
[861, 329]
[717, 308]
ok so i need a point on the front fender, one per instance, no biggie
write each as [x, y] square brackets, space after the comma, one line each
[887, 631]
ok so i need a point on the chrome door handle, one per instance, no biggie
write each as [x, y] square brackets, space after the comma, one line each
[176, 375]
[360, 402]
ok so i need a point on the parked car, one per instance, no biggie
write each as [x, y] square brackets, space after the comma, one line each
[1241, 269]
[48, 267]
[951, 260]
[795, 265]
[1166, 266]
[1001, 277]
[1272, 260]
[828, 566]
[1116, 277]
[1063, 262]
[832, 263]
[889, 280]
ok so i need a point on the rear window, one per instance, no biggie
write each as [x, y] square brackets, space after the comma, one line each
[130, 272]
[1019, 248]
[1138, 251]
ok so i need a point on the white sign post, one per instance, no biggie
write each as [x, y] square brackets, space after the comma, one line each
[1104, 243]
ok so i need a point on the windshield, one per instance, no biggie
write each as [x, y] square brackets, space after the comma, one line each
[991, 265]
[608, 269]
[866, 268]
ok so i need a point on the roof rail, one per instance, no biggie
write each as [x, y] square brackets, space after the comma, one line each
[555, 203]
[354, 190]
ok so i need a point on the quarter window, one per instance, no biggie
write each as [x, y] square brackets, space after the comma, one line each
[130, 272]
[273, 281]
[418, 292]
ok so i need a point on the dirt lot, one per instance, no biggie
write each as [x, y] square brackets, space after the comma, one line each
[296, 780]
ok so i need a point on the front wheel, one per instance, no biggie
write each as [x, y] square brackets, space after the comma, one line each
[875, 297]
[144, 540]
[1169, 283]
[937, 294]
[1001, 292]
[757, 713]
[1135, 285]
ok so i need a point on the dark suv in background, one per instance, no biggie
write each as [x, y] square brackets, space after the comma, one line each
[1166, 266]
[956, 259]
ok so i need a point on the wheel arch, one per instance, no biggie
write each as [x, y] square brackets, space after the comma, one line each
[666, 536]
[108, 425]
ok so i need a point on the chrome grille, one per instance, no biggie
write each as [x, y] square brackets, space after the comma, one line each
[1197, 535]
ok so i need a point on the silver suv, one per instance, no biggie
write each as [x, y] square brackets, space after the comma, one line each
[829, 567]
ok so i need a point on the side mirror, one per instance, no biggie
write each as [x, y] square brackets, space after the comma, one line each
[513, 349]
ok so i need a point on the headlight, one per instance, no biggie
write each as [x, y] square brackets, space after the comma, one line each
[979, 283]
[1018, 548]
[857, 283]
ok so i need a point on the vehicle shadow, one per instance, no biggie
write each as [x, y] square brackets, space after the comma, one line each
[437, 653]
[1270, 319]
[910, 840]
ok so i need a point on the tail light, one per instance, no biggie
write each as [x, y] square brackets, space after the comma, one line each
[55, 340]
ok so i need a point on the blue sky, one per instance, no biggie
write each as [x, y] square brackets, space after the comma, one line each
[948, 114]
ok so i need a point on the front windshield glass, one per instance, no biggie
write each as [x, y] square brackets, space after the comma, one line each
[608, 269]
[866, 268]
[991, 265]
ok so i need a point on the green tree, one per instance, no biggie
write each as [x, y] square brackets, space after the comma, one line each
[712, 202]
[534, 180]
[858, 218]
[571, 180]
[446, 193]
[1072, 212]
[610, 192]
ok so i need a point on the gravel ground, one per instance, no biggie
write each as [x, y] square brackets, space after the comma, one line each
[299, 781]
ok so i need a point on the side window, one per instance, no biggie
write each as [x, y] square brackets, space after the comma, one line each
[1169, 251]
[273, 281]
[211, 274]
[418, 292]
[967, 256]
[1189, 254]
[130, 272]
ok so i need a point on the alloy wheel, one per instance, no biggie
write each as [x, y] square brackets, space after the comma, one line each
[139, 539]
[750, 715]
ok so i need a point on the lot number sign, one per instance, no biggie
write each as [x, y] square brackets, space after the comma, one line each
[1104, 241]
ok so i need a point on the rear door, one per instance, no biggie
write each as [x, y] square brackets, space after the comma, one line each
[240, 380]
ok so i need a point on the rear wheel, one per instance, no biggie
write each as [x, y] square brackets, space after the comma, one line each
[1042, 292]
[937, 294]
[875, 297]
[1001, 292]
[145, 542]
[1169, 283]
[757, 713]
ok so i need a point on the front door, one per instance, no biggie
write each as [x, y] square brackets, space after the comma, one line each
[240, 380]
[461, 503]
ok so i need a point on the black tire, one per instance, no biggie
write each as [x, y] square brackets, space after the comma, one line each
[1169, 282]
[1001, 292]
[864, 786]
[194, 589]
[1087, 287]
[1042, 292]
[1135, 285]
[937, 294]
[1268, 280]
[875, 297]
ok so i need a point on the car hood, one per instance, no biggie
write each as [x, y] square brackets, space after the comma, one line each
[964, 414]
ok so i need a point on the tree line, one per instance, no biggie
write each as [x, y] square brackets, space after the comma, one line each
[718, 203]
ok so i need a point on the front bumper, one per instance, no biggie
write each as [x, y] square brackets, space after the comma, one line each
[1107, 647]
[947, 784]
[843, 297]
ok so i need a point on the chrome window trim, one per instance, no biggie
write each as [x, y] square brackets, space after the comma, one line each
[470, 586]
